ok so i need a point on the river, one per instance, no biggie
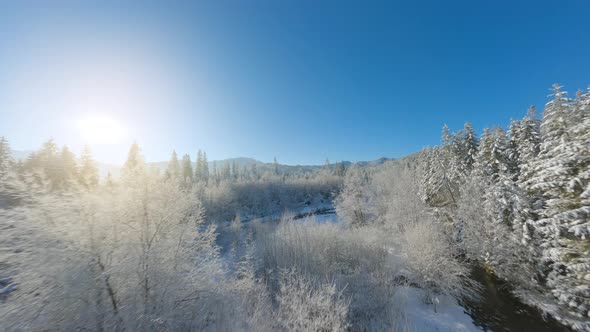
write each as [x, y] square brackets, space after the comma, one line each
[498, 310]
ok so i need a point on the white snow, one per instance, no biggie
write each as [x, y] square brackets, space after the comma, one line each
[446, 315]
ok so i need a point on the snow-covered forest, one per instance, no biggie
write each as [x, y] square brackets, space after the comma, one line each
[387, 246]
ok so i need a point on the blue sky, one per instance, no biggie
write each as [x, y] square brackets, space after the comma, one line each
[299, 80]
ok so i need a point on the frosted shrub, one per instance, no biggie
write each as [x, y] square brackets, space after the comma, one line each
[432, 261]
[303, 307]
[356, 260]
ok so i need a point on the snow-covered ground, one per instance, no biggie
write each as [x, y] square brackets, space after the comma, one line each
[446, 315]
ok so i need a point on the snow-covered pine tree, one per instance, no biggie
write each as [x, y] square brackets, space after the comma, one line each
[528, 141]
[275, 166]
[205, 168]
[560, 182]
[199, 166]
[88, 170]
[254, 172]
[470, 147]
[187, 169]
[68, 170]
[134, 166]
[234, 170]
[512, 151]
[173, 170]
[525, 139]
[6, 161]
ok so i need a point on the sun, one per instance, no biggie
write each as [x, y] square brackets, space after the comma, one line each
[100, 129]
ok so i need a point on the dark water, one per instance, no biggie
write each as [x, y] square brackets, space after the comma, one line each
[498, 310]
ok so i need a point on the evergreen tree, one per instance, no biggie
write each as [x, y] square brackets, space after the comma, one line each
[205, 175]
[215, 174]
[173, 170]
[275, 166]
[439, 189]
[187, 169]
[199, 166]
[493, 154]
[135, 166]
[528, 141]
[88, 170]
[226, 171]
[446, 136]
[513, 158]
[254, 171]
[470, 148]
[49, 162]
[68, 170]
[6, 161]
[109, 182]
[339, 169]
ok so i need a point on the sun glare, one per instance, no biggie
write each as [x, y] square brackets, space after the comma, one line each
[100, 129]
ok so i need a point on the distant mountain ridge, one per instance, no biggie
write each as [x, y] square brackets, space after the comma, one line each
[241, 162]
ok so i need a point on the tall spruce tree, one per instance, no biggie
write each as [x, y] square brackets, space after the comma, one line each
[187, 169]
[88, 170]
[134, 167]
[173, 170]
[6, 161]
[205, 175]
[470, 147]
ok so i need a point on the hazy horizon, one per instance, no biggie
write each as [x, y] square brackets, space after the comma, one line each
[22, 154]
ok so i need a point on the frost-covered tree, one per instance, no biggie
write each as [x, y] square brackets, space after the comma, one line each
[187, 169]
[528, 141]
[438, 185]
[205, 174]
[275, 166]
[353, 204]
[235, 171]
[340, 169]
[226, 171]
[470, 148]
[88, 169]
[134, 166]
[6, 162]
[68, 169]
[199, 166]
[254, 171]
[173, 170]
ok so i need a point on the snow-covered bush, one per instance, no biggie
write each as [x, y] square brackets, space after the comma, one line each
[432, 261]
[355, 259]
[305, 307]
